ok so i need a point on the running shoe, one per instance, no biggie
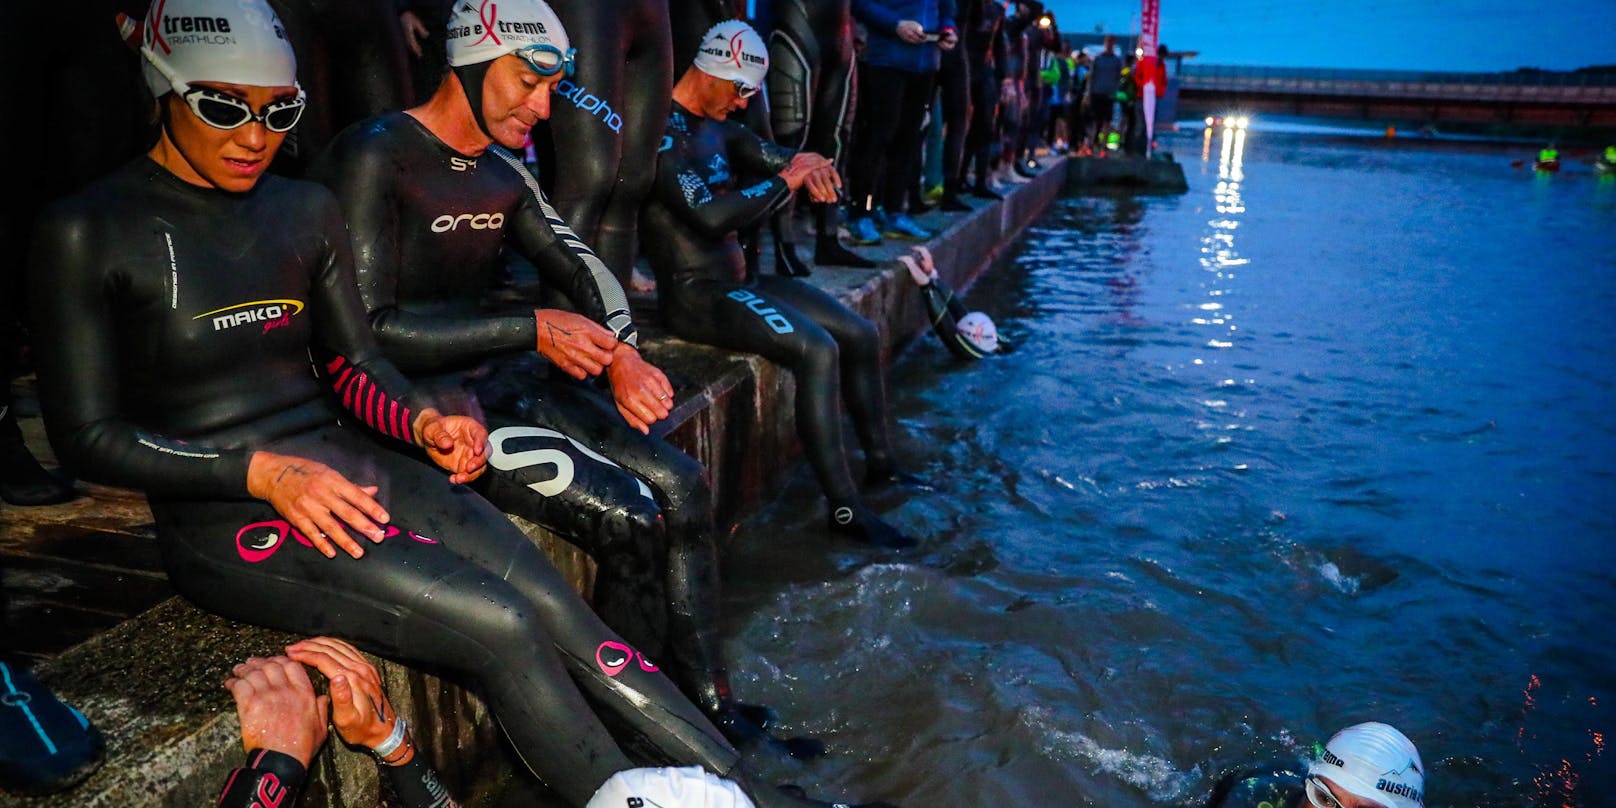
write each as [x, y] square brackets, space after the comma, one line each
[864, 232]
[900, 226]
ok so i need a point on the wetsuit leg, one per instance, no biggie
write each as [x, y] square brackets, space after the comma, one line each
[607, 120]
[984, 106]
[859, 348]
[954, 81]
[352, 63]
[457, 589]
[540, 473]
[688, 571]
[753, 320]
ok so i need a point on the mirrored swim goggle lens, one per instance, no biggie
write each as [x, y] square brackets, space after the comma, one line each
[548, 60]
[223, 111]
[743, 89]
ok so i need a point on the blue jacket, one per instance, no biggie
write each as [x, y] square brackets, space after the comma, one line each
[883, 48]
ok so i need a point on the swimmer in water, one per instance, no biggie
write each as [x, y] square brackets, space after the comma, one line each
[1369, 765]
[716, 177]
[966, 334]
[189, 291]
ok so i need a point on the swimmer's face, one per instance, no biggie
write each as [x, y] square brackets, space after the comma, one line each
[515, 99]
[720, 97]
[227, 159]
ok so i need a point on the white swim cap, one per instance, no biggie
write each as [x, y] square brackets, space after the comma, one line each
[686, 787]
[231, 41]
[732, 50]
[979, 330]
[484, 30]
[1376, 762]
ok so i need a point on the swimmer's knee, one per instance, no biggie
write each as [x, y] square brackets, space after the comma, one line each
[632, 528]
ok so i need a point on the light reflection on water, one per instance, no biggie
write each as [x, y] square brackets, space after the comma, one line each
[1328, 439]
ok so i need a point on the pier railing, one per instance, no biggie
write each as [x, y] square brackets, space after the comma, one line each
[1577, 88]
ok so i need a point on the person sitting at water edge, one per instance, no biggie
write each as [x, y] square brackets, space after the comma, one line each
[966, 334]
[699, 201]
[563, 456]
[1368, 765]
[175, 362]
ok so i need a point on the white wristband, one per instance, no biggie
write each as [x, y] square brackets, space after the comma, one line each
[394, 740]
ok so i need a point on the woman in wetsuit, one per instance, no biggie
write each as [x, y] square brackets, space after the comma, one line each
[698, 202]
[190, 292]
[433, 199]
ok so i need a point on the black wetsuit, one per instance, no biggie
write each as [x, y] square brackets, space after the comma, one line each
[430, 225]
[697, 204]
[945, 311]
[352, 62]
[275, 779]
[1278, 785]
[813, 90]
[176, 339]
[606, 119]
[984, 49]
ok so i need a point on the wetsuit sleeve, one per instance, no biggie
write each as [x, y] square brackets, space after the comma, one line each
[564, 261]
[753, 153]
[75, 311]
[413, 785]
[365, 382]
[365, 178]
[945, 312]
[269, 779]
[1001, 45]
[877, 17]
[681, 187]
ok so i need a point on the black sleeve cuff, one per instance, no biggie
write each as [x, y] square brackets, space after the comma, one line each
[269, 778]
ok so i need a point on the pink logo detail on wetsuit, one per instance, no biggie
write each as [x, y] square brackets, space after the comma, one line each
[488, 12]
[613, 656]
[260, 540]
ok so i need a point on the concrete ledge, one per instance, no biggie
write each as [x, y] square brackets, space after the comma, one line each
[1135, 174]
[153, 682]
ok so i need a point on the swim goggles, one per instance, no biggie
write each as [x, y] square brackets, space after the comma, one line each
[744, 90]
[1320, 795]
[224, 111]
[548, 60]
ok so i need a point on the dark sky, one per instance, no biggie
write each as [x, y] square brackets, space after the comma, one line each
[1463, 35]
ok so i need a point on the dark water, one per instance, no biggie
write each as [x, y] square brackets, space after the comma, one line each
[1331, 438]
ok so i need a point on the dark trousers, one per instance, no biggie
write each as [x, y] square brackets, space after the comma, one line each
[886, 134]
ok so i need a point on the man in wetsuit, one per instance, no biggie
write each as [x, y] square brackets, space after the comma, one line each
[432, 197]
[699, 200]
[1369, 765]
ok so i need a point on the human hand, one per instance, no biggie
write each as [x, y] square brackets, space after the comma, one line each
[576, 344]
[414, 32]
[802, 165]
[359, 705]
[457, 443]
[318, 501]
[824, 184]
[641, 391]
[919, 275]
[278, 709]
[948, 40]
[923, 256]
[911, 32]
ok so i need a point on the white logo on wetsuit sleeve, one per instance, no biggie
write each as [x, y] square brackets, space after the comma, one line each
[475, 221]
